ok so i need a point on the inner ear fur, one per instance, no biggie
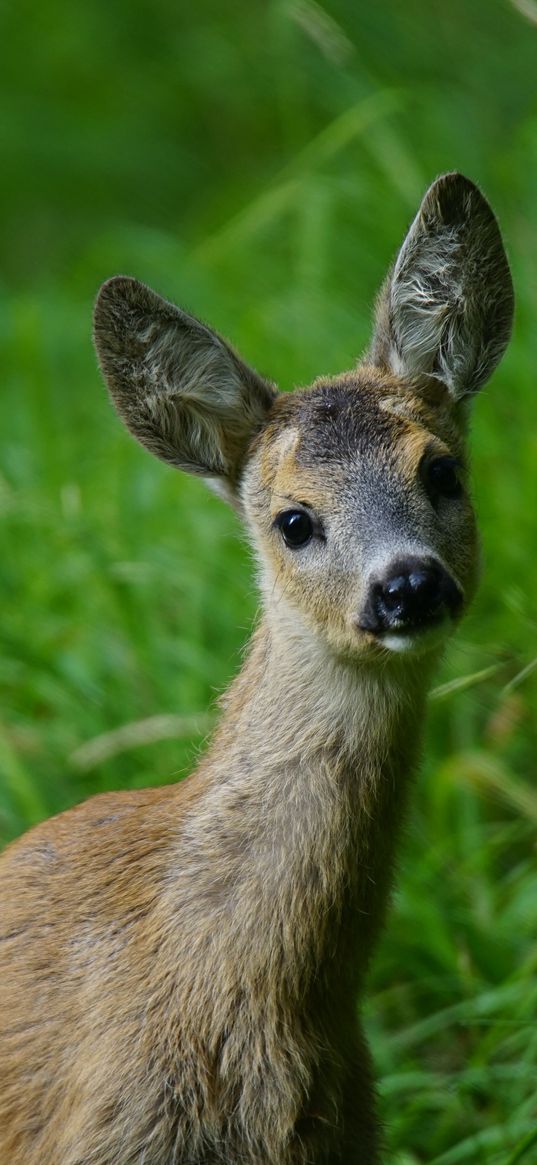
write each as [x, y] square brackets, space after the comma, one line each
[446, 308]
[178, 386]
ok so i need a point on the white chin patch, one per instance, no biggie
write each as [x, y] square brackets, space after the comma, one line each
[418, 643]
[399, 642]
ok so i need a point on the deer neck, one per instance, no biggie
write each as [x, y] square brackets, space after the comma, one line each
[296, 705]
[305, 787]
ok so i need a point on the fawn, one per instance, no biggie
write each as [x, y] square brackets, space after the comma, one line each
[179, 967]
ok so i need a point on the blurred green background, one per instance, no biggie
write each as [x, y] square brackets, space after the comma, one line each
[259, 163]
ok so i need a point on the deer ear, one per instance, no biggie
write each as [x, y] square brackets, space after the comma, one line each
[178, 387]
[446, 309]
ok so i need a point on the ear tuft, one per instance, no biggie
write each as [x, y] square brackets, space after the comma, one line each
[446, 309]
[177, 385]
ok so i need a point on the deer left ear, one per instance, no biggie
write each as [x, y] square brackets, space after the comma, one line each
[446, 309]
[177, 385]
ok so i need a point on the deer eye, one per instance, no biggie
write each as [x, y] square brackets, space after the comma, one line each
[296, 527]
[442, 478]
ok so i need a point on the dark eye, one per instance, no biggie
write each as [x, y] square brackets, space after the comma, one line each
[442, 478]
[296, 527]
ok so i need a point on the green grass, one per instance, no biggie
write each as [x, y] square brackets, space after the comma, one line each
[259, 163]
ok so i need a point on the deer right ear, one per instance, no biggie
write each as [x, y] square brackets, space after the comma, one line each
[446, 309]
[178, 387]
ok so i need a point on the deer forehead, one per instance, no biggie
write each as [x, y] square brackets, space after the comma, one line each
[321, 441]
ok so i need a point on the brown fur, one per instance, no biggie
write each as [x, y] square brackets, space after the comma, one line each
[179, 968]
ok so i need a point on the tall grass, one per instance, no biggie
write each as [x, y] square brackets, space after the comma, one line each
[259, 163]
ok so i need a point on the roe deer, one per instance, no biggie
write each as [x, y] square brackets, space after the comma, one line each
[179, 967]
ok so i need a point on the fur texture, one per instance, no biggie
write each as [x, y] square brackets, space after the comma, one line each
[179, 968]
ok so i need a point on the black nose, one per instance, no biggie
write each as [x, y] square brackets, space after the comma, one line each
[416, 593]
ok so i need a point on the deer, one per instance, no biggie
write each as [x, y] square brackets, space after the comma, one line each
[180, 967]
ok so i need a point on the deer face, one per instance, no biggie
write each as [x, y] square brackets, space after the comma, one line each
[354, 490]
[357, 499]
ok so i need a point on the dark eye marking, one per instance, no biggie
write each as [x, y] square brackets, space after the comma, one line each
[296, 528]
[441, 477]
